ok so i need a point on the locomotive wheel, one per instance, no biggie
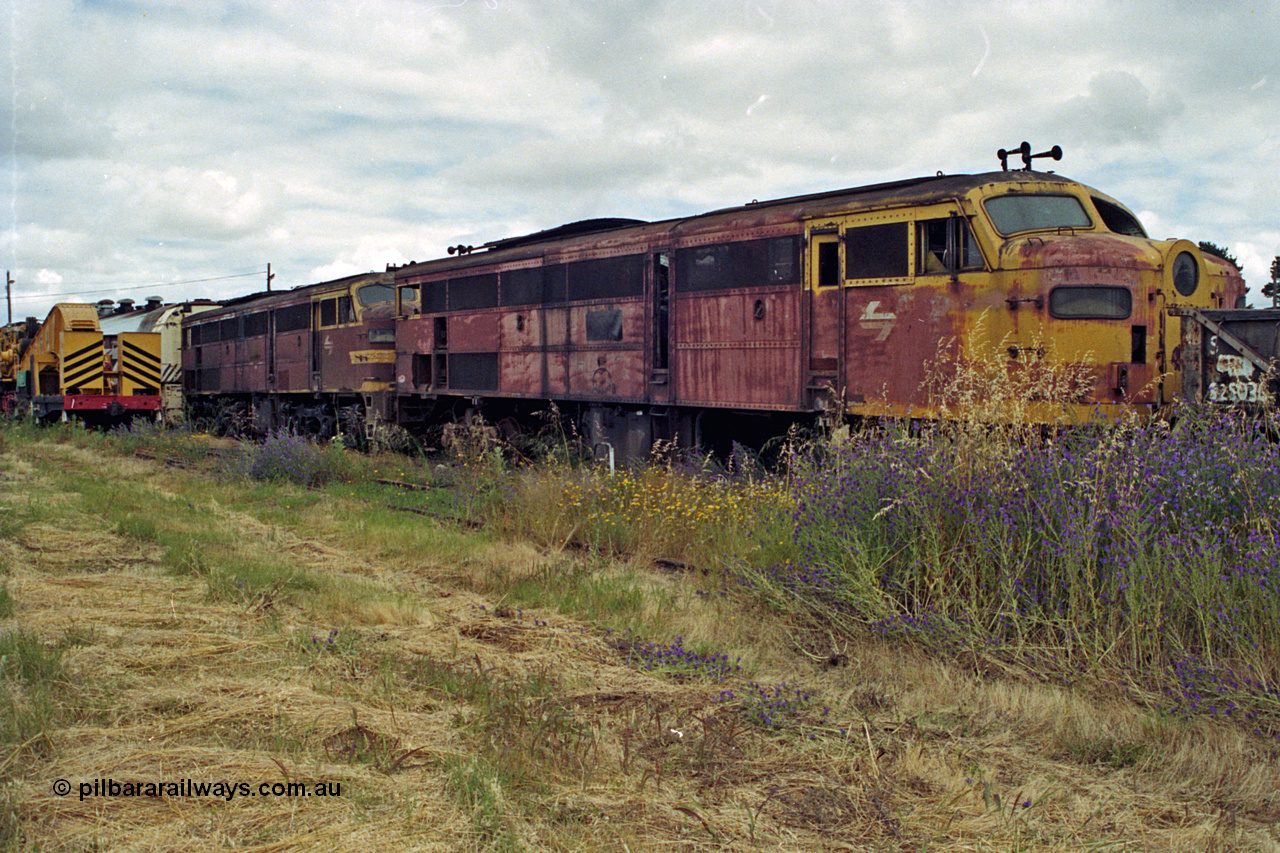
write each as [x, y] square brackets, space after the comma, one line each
[351, 420]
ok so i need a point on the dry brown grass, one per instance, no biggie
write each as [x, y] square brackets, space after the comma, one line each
[455, 721]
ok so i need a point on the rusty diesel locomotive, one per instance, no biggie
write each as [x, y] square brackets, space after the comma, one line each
[735, 321]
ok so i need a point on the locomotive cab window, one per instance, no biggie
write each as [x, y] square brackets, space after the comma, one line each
[878, 251]
[1117, 219]
[375, 294]
[334, 312]
[408, 296]
[946, 245]
[1014, 214]
[1090, 303]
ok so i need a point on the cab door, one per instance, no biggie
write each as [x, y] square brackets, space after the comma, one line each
[660, 328]
[826, 317]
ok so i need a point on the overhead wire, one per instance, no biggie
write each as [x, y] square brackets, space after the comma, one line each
[107, 288]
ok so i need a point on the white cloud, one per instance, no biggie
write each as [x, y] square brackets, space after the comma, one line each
[373, 253]
[207, 204]
[173, 141]
[1119, 108]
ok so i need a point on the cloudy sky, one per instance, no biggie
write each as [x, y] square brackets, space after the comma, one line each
[175, 147]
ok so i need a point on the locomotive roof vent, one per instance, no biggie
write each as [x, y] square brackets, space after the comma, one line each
[154, 302]
[124, 306]
[1025, 150]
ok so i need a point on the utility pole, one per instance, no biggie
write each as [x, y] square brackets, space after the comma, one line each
[269, 277]
[8, 298]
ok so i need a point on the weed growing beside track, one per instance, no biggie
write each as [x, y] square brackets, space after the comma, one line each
[907, 639]
[1146, 553]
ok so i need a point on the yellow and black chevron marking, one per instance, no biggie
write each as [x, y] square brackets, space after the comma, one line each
[140, 364]
[82, 368]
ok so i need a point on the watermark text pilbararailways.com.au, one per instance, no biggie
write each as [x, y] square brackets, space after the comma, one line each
[194, 788]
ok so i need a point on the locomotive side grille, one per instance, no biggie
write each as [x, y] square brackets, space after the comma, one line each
[474, 371]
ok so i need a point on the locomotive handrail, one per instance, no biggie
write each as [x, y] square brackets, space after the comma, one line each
[1249, 353]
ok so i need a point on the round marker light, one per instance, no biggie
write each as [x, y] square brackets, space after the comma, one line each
[1186, 273]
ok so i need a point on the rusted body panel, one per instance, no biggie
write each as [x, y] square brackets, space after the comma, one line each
[292, 362]
[542, 374]
[309, 350]
[1230, 357]
[475, 332]
[878, 300]
[894, 338]
[739, 349]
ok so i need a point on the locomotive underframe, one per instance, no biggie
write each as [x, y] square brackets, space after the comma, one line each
[323, 415]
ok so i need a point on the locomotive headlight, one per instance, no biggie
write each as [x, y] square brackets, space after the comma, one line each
[1186, 273]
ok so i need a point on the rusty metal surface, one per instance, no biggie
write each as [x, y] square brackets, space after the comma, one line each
[342, 357]
[874, 346]
[1231, 357]
[293, 361]
[739, 348]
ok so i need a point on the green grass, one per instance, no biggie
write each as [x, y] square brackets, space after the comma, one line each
[195, 540]
[1104, 751]
[156, 440]
[33, 703]
[233, 573]
[577, 588]
[481, 789]
[24, 657]
[139, 527]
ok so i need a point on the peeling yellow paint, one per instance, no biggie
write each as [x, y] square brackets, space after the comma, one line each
[373, 356]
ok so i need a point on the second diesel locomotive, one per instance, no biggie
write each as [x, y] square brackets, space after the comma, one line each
[854, 300]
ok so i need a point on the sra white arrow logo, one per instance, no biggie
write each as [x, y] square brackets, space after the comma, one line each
[873, 319]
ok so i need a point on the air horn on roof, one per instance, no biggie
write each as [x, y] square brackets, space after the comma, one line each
[1025, 150]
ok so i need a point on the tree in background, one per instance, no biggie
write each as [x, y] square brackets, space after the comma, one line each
[1272, 288]
[1215, 249]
